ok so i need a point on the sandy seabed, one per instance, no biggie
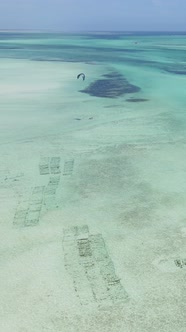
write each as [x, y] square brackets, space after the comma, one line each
[92, 201]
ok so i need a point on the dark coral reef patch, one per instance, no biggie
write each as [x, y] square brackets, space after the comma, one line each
[112, 85]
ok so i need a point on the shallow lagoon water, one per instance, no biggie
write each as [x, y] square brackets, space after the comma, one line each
[93, 218]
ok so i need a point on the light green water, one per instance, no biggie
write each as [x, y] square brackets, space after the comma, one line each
[120, 172]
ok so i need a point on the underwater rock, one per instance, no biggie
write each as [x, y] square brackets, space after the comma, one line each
[112, 86]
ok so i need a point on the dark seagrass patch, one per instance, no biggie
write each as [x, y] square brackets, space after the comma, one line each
[112, 85]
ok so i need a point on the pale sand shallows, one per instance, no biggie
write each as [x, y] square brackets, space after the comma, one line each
[92, 202]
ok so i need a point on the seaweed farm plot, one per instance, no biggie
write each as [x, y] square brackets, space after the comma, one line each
[44, 168]
[180, 263]
[71, 255]
[107, 270]
[49, 165]
[91, 268]
[35, 207]
[28, 212]
[10, 179]
[68, 167]
[50, 191]
[55, 165]
[21, 214]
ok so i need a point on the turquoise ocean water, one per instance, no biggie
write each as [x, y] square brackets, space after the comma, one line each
[119, 138]
[153, 62]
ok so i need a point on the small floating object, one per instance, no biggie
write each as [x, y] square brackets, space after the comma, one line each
[81, 74]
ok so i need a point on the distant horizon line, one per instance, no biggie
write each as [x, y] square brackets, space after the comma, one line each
[90, 31]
